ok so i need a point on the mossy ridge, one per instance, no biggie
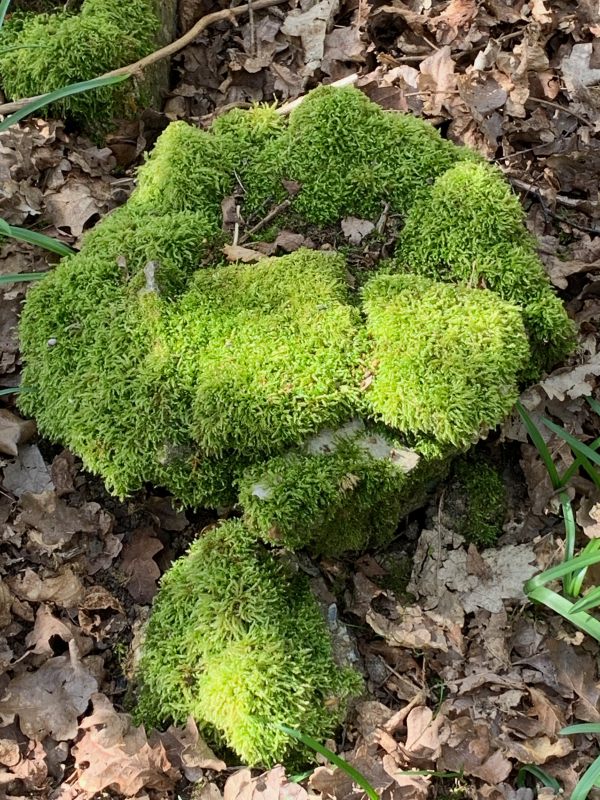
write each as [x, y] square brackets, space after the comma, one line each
[237, 640]
[344, 490]
[470, 228]
[446, 357]
[55, 49]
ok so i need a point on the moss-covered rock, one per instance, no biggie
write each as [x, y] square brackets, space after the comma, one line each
[237, 640]
[41, 52]
[157, 362]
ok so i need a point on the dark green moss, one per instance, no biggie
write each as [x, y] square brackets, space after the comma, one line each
[478, 497]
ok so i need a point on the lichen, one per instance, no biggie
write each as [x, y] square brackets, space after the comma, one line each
[47, 51]
[237, 640]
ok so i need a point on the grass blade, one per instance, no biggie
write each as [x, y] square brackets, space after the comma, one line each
[32, 237]
[542, 448]
[20, 277]
[579, 448]
[540, 775]
[593, 404]
[353, 773]
[4, 4]
[12, 390]
[587, 782]
[590, 600]
[581, 727]
[59, 94]
[577, 463]
[560, 605]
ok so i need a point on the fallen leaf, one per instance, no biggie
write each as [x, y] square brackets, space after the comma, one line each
[572, 382]
[49, 700]
[437, 81]
[63, 471]
[64, 588]
[139, 566]
[28, 473]
[235, 252]
[311, 26]
[113, 753]
[271, 785]
[355, 229]
[188, 751]
[54, 523]
[289, 241]
[14, 431]
[422, 734]
[73, 207]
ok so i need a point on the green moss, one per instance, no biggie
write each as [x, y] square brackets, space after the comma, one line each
[238, 641]
[478, 497]
[445, 357]
[470, 228]
[343, 490]
[49, 51]
[168, 366]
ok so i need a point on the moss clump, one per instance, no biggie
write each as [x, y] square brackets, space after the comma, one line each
[446, 357]
[168, 366]
[237, 640]
[478, 500]
[343, 490]
[47, 51]
[469, 229]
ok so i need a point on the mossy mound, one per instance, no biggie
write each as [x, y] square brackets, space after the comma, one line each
[237, 640]
[41, 52]
[476, 502]
[157, 362]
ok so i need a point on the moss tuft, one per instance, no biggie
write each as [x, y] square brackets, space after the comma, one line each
[470, 228]
[478, 494]
[48, 51]
[445, 358]
[237, 640]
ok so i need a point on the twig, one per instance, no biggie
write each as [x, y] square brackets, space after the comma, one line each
[569, 202]
[286, 108]
[271, 215]
[252, 28]
[169, 49]
[558, 107]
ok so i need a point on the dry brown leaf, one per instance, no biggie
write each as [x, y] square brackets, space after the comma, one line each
[5, 605]
[422, 734]
[49, 700]
[271, 785]
[437, 81]
[63, 471]
[27, 473]
[538, 750]
[14, 431]
[289, 241]
[188, 751]
[457, 14]
[64, 588]
[549, 714]
[112, 753]
[467, 746]
[73, 207]
[355, 229]
[577, 672]
[235, 252]
[414, 628]
[139, 566]
[573, 382]
[311, 26]
[48, 629]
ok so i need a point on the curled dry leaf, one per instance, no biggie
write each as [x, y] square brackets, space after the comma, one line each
[271, 785]
[64, 588]
[14, 431]
[311, 26]
[49, 700]
[355, 229]
[113, 753]
[188, 751]
[235, 252]
[139, 566]
[27, 473]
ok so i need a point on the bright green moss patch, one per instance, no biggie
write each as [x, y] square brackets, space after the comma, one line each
[446, 358]
[157, 362]
[470, 229]
[48, 51]
[237, 640]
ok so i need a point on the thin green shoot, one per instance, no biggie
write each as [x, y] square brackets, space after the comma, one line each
[59, 94]
[589, 780]
[358, 778]
[540, 775]
[580, 727]
[21, 277]
[301, 776]
[12, 390]
[590, 600]
[594, 404]
[4, 4]
[33, 237]
[582, 450]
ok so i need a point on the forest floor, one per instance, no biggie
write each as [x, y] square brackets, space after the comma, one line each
[463, 674]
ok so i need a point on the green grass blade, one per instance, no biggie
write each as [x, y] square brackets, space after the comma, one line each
[4, 4]
[32, 237]
[577, 463]
[560, 605]
[581, 449]
[59, 94]
[575, 582]
[542, 447]
[20, 277]
[593, 404]
[358, 778]
[555, 573]
[540, 775]
[590, 600]
[12, 390]
[581, 727]
[587, 782]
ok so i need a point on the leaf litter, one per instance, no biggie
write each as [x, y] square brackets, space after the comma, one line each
[461, 675]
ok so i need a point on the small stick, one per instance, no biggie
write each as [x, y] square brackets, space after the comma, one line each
[261, 224]
[286, 108]
[167, 51]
